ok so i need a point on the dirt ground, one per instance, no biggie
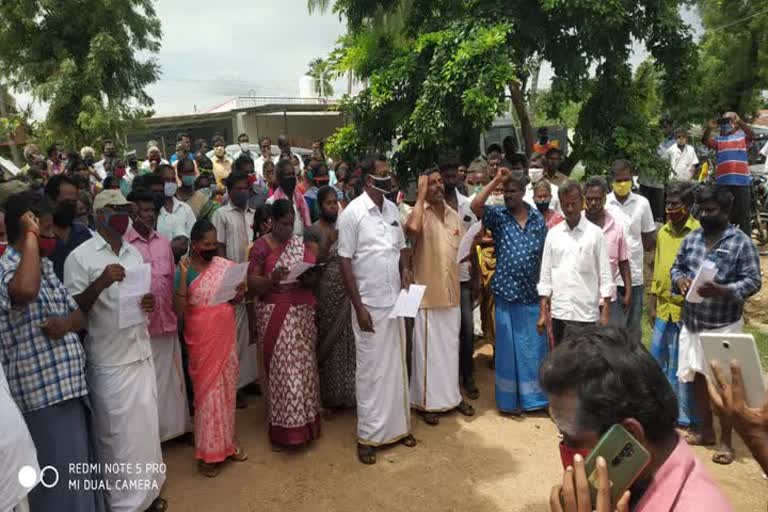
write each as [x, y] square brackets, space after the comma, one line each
[488, 463]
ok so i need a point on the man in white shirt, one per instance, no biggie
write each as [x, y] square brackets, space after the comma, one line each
[682, 157]
[449, 171]
[265, 145]
[176, 218]
[120, 373]
[371, 247]
[575, 271]
[234, 229]
[245, 148]
[641, 237]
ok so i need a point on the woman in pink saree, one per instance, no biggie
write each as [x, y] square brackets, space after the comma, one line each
[285, 316]
[209, 332]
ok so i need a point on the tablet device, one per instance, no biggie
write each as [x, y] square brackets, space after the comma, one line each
[725, 348]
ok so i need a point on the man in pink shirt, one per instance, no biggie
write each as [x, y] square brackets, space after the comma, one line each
[614, 228]
[173, 411]
[600, 378]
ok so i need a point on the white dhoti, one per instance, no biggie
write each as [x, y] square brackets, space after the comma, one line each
[246, 353]
[691, 358]
[381, 379]
[124, 401]
[435, 362]
[172, 409]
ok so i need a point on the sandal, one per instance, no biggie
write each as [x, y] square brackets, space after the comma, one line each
[159, 505]
[465, 409]
[366, 454]
[277, 448]
[698, 439]
[409, 441]
[239, 455]
[209, 470]
[723, 457]
[431, 418]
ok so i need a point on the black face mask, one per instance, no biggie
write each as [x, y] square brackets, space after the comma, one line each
[288, 183]
[65, 214]
[392, 196]
[207, 255]
[382, 184]
[713, 223]
[329, 217]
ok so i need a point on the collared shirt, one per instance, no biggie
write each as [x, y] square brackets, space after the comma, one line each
[196, 202]
[258, 164]
[638, 209]
[468, 218]
[434, 257]
[668, 242]
[732, 161]
[40, 371]
[176, 223]
[77, 235]
[221, 169]
[144, 167]
[373, 239]
[738, 267]
[575, 271]
[518, 253]
[682, 161]
[106, 344]
[682, 484]
[234, 229]
[614, 233]
[554, 203]
[157, 252]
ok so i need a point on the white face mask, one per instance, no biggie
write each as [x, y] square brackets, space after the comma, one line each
[169, 188]
[244, 146]
[535, 174]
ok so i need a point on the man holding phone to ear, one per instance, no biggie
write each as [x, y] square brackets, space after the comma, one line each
[738, 278]
[599, 381]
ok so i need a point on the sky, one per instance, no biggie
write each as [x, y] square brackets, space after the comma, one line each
[210, 55]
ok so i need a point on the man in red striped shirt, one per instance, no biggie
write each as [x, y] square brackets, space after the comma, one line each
[732, 171]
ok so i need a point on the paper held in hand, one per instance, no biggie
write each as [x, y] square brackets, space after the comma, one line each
[466, 242]
[233, 276]
[295, 271]
[408, 302]
[130, 291]
[706, 274]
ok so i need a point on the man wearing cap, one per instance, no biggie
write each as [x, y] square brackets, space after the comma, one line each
[120, 372]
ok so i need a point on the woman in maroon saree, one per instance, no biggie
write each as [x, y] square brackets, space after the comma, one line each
[285, 316]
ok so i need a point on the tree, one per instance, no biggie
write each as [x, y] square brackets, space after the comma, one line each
[734, 54]
[84, 59]
[321, 71]
[441, 80]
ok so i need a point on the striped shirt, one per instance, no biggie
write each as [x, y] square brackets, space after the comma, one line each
[732, 162]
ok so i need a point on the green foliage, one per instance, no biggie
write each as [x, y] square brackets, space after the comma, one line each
[734, 54]
[322, 72]
[437, 71]
[82, 57]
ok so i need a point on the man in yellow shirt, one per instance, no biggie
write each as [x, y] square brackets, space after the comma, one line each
[222, 164]
[664, 308]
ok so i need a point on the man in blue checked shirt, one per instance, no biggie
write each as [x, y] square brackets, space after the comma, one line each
[738, 278]
[42, 356]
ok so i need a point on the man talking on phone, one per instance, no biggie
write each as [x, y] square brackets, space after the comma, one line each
[738, 278]
[599, 378]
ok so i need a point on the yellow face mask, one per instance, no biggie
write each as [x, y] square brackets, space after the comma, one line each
[622, 188]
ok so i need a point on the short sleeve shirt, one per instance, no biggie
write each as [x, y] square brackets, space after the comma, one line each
[234, 229]
[638, 209]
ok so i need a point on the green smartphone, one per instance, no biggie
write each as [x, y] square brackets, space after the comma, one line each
[626, 459]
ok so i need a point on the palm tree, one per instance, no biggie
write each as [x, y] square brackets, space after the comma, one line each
[321, 71]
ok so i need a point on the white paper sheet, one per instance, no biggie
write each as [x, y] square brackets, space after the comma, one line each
[466, 242]
[296, 271]
[408, 302]
[706, 274]
[232, 278]
[131, 289]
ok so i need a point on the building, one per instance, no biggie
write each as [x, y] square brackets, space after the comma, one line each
[301, 119]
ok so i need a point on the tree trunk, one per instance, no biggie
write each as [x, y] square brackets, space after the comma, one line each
[15, 156]
[518, 101]
[534, 90]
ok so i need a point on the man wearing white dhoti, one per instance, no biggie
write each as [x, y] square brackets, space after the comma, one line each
[173, 411]
[721, 310]
[436, 231]
[120, 373]
[370, 246]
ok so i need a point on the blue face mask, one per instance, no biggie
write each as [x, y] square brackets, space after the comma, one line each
[726, 128]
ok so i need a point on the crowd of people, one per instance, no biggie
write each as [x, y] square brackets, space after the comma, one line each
[554, 279]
